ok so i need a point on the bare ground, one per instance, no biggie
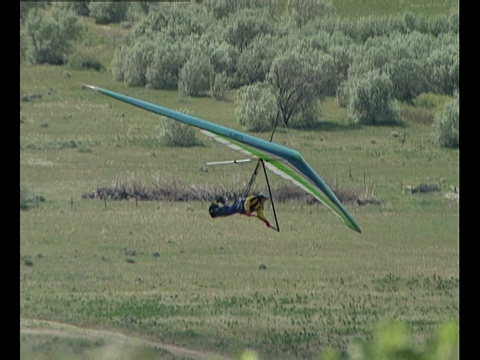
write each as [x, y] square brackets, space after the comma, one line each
[33, 327]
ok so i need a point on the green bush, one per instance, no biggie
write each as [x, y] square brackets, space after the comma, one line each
[224, 58]
[27, 199]
[371, 100]
[254, 63]
[220, 86]
[47, 37]
[446, 125]
[294, 82]
[179, 134]
[256, 107]
[307, 118]
[304, 11]
[136, 62]
[430, 100]
[108, 12]
[417, 54]
[246, 24]
[195, 76]
[443, 66]
[408, 78]
[83, 61]
[167, 59]
[393, 340]
[118, 63]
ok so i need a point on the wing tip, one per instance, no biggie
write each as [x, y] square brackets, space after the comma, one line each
[91, 87]
[355, 227]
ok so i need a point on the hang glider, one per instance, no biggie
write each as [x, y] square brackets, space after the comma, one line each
[281, 160]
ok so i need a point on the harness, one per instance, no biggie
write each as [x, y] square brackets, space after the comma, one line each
[254, 205]
[240, 203]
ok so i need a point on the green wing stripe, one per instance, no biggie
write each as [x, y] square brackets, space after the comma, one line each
[291, 173]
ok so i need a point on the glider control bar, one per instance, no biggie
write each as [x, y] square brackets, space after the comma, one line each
[240, 161]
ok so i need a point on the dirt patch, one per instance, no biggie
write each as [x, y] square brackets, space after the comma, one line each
[108, 338]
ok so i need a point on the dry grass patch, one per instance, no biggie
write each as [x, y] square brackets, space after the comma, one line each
[176, 190]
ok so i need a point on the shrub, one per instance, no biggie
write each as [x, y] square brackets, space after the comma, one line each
[136, 62]
[408, 78]
[443, 67]
[446, 131]
[118, 63]
[294, 82]
[246, 24]
[83, 61]
[430, 100]
[371, 100]
[108, 12]
[220, 8]
[304, 11]
[255, 62]
[220, 86]
[342, 95]
[195, 76]
[46, 38]
[224, 59]
[179, 21]
[167, 60]
[256, 107]
[326, 73]
[307, 118]
[27, 199]
[393, 340]
[179, 134]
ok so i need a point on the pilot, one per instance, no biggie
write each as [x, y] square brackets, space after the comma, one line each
[245, 206]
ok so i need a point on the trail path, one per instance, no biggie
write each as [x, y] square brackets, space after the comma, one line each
[43, 327]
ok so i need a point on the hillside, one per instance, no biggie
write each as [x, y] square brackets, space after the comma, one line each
[157, 278]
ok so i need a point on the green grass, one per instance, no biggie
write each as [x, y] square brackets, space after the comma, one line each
[166, 272]
[366, 8]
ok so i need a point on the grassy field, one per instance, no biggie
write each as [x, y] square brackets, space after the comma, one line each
[365, 8]
[166, 272]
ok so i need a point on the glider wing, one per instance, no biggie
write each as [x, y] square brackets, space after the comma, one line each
[282, 160]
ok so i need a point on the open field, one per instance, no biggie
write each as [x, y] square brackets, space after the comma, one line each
[167, 272]
[161, 280]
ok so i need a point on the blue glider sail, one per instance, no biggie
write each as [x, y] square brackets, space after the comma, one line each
[282, 160]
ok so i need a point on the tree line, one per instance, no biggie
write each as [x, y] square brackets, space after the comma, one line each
[281, 62]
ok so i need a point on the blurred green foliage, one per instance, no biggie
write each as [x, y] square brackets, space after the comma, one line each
[393, 340]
